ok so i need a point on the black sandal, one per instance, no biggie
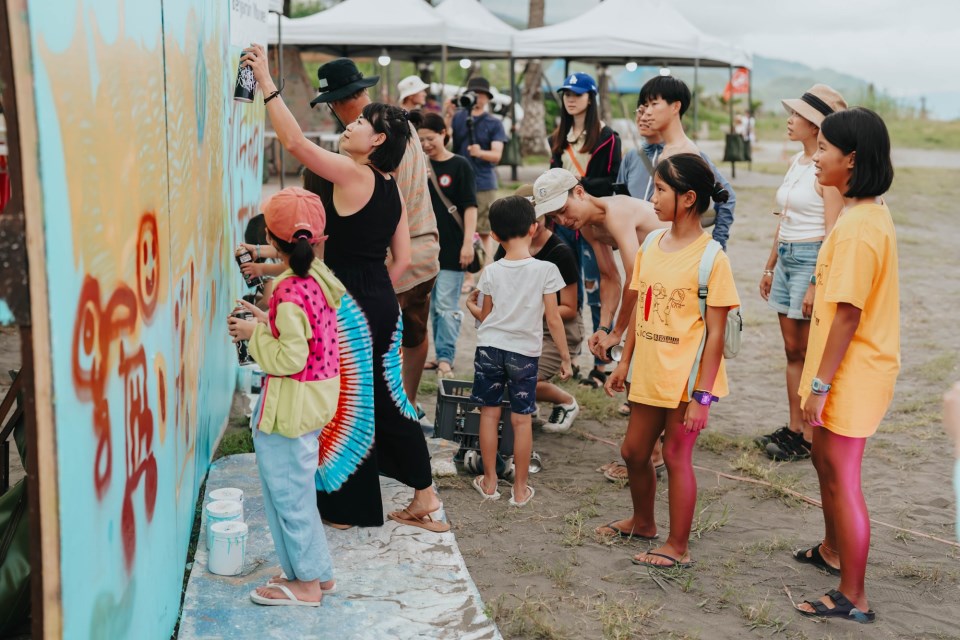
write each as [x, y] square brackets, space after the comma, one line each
[843, 609]
[800, 555]
[594, 380]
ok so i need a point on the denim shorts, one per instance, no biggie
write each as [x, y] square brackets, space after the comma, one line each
[495, 369]
[796, 262]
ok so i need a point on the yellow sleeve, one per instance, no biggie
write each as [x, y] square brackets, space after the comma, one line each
[856, 263]
[635, 278]
[721, 287]
[288, 353]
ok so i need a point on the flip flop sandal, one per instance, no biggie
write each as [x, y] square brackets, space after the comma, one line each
[430, 366]
[282, 576]
[676, 562]
[422, 522]
[478, 485]
[815, 558]
[616, 472]
[622, 534]
[522, 503]
[594, 380]
[624, 409]
[843, 609]
[290, 601]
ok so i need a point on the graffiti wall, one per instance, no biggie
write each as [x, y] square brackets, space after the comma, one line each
[148, 170]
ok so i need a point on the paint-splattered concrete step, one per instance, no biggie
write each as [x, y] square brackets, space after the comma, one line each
[393, 581]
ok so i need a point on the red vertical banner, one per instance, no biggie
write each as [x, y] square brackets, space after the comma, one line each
[739, 83]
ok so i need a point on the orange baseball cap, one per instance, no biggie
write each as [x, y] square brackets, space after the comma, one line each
[293, 210]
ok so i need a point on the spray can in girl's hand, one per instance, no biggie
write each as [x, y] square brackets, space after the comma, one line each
[246, 85]
[243, 355]
[243, 257]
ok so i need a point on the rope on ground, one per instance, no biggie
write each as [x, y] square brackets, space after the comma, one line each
[791, 492]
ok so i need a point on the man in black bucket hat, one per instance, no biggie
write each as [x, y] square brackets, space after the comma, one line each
[344, 89]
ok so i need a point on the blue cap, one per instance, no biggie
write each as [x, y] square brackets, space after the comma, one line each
[579, 83]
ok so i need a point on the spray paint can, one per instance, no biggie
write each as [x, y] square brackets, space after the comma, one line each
[243, 355]
[615, 353]
[243, 257]
[246, 85]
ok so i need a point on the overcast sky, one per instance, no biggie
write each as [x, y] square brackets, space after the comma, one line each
[907, 47]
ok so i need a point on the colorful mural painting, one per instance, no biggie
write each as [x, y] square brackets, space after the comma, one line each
[148, 171]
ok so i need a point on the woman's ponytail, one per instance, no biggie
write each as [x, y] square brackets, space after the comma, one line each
[301, 255]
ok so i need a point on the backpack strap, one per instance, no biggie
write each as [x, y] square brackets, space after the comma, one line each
[703, 278]
[653, 235]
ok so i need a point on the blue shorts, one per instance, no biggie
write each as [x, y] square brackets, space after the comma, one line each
[796, 262]
[495, 368]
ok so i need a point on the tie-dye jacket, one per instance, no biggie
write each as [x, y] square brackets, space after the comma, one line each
[300, 353]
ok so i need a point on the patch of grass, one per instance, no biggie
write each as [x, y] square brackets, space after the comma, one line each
[768, 547]
[235, 440]
[573, 532]
[781, 484]
[560, 574]
[626, 620]
[716, 442]
[919, 573]
[939, 369]
[532, 618]
[428, 386]
[523, 566]
[595, 404]
[704, 522]
[759, 616]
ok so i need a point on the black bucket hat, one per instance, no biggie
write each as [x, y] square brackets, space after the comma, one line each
[340, 78]
[479, 85]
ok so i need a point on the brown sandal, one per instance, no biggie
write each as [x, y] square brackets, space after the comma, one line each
[423, 522]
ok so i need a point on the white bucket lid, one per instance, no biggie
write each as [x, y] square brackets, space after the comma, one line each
[227, 493]
[224, 509]
[232, 529]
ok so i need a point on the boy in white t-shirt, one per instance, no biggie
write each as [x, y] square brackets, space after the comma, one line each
[518, 291]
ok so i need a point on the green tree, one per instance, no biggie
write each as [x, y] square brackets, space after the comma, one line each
[533, 130]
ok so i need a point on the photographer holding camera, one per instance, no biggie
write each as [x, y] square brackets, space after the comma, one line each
[479, 137]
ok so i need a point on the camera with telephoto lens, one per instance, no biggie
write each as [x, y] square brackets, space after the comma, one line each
[467, 100]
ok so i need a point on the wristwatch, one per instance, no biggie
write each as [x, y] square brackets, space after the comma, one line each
[607, 330]
[819, 388]
[703, 397]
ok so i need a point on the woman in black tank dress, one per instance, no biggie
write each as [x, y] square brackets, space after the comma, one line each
[365, 216]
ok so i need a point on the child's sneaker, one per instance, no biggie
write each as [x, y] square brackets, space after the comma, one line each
[562, 417]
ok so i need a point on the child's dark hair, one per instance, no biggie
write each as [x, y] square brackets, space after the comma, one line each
[511, 217]
[689, 172]
[394, 123]
[434, 122]
[256, 231]
[669, 89]
[299, 252]
[861, 130]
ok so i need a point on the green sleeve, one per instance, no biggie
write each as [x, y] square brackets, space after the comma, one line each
[286, 354]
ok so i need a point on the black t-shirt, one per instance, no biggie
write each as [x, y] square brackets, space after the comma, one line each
[456, 179]
[558, 252]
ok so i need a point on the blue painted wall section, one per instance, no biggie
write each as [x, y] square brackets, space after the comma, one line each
[149, 169]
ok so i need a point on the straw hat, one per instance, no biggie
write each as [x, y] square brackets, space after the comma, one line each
[816, 104]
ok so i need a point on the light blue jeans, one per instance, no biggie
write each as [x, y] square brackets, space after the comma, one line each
[287, 467]
[445, 314]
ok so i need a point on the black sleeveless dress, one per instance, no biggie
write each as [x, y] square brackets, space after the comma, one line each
[356, 250]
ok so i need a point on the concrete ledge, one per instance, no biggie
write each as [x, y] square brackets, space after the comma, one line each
[392, 582]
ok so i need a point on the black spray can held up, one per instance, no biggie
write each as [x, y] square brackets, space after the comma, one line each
[243, 257]
[243, 355]
[246, 85]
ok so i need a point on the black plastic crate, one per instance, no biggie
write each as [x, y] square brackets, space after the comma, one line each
[458, 419]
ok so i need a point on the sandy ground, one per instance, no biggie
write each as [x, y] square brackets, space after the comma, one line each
[544, 574]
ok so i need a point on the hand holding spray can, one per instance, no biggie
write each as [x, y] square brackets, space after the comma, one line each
[243, 257]
[243, 355]
[246, 86]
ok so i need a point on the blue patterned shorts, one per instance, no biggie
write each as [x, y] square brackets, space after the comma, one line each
[496, 369]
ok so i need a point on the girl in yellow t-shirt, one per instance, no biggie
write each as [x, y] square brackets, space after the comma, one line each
[669, 330]
[853, 353]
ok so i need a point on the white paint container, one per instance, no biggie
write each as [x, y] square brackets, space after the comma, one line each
[228, 546]
[249, 378]
[228, 493]
[221, 511]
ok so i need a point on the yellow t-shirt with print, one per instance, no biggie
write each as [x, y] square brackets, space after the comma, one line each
[857, 265]
[669, 325]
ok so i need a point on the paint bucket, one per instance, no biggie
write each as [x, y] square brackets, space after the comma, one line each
[228, 546]
[221, 511]
[228, 493]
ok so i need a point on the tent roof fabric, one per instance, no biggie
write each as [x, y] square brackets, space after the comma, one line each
[608, 33]
[471, 27]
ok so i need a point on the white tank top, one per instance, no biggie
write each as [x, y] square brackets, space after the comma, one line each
[801, 207]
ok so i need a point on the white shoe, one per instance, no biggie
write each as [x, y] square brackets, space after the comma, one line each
[562, 417]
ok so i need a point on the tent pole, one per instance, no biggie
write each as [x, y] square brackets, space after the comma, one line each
[279, 84]
[443, 74]
[566, 68]
[696, 98]
[733, 165]
[513, 114]
[749, 127]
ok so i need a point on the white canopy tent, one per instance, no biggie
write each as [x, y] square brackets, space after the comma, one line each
[612, 33]
[474, 30]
